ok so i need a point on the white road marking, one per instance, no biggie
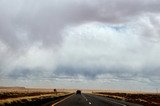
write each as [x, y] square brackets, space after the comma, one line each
[116, 102]
[86, 99]
[84, 96]
[61, 100]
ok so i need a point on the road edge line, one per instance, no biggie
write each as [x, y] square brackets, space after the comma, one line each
[110, 100]
[61, 100]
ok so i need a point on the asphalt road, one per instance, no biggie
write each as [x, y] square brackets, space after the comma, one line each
[91, 100]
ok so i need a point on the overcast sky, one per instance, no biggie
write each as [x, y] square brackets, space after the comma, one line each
[95, 44]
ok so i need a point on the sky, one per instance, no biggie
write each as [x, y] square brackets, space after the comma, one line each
[82, 44]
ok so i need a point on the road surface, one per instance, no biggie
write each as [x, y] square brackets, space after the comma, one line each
[91, 100]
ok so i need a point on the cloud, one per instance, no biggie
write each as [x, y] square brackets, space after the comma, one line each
[86, 39]
[93, 50]
[44, 20]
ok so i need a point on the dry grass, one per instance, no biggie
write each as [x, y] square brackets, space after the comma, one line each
[147, 99]
[22, 95]
[30, 98]
[19, 92]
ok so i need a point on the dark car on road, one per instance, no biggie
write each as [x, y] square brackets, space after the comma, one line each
[78, 92]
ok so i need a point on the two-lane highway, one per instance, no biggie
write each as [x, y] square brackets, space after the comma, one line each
[90, 100]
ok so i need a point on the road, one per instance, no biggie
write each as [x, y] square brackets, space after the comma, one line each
[91, 100]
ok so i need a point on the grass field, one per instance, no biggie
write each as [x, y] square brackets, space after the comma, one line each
[28, 96]
[146, 99]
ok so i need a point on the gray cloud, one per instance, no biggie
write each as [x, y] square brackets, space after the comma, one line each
[89, 73]
[17, 73]
[43, 20]
[87, 38]
[94, 72]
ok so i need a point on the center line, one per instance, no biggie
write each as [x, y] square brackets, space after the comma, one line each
[89, 102]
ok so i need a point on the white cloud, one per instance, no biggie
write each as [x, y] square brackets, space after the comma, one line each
[87, 39]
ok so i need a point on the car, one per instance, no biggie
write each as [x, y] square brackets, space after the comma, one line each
[78, 92]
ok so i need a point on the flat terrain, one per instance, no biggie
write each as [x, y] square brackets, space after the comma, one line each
[146, 99]
[21, 96]
[91, 100]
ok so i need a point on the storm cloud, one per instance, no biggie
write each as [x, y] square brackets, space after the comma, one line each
[80, 40]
